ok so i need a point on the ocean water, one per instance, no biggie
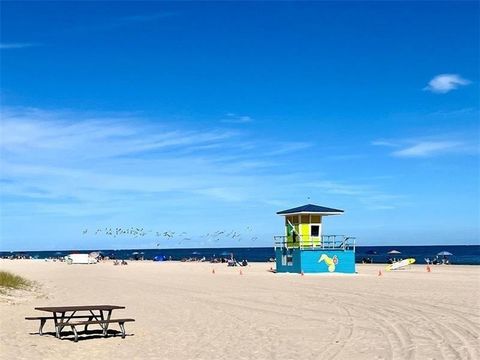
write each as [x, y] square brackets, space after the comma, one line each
[462, 254]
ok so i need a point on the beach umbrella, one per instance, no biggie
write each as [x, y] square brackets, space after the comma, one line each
[394, 252]
[444, 253]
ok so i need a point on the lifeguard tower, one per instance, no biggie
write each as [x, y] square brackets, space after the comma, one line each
[305, 249]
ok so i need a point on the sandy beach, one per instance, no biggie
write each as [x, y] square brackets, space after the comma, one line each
[184, 311]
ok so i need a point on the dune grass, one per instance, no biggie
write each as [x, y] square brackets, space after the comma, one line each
[9, 281]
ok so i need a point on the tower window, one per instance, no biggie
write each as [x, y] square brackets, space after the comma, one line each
[314, 230]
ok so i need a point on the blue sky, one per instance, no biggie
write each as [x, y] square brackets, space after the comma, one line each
[200, 117]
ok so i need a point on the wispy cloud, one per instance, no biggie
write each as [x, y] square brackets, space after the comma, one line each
[384, 143]
[5, 46]
[444, 83]
[114, 155]
[369, 196]
[289, 147]
[335, 187]
[119, 22]
[102, 169]
[428, 147]
[232, 118]
[110, 137]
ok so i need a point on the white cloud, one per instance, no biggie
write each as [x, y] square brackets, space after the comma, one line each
[430, 148]
[84, 169]
[89, 158]
[232, 118]
[119, 22]
[27, 130]
[384, 143]
[334, 187]
[289, 148]
[370, 197]
[444, 83]
[16, 45]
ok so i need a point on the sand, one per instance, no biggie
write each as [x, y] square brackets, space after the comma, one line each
[183, 311]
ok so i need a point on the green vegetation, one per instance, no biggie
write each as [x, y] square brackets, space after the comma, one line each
[11, 281]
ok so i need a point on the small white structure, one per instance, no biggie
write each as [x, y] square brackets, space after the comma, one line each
[80, 259]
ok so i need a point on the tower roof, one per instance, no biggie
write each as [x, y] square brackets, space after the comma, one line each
[311, 209]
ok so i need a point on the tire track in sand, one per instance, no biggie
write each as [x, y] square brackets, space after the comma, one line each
[343, 334]
[445, 335]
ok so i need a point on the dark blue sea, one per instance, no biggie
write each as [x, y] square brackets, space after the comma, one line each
[462, 254]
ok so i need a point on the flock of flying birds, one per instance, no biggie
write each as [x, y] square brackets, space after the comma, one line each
[180, 237]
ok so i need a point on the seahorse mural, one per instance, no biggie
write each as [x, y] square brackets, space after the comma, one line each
[330, 262]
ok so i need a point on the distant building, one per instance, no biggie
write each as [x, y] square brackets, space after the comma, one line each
[304, 248]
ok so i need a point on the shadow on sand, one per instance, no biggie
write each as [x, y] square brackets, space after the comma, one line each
[84, 335]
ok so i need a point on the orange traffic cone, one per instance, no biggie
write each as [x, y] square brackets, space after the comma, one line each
[379, 272]
[213, 271]
[428, 268]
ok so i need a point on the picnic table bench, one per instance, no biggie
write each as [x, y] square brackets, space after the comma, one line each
[97, 315]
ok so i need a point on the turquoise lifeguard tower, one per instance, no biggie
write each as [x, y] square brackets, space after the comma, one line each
[305, 249]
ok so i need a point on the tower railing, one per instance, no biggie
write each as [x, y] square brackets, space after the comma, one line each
[308, 242]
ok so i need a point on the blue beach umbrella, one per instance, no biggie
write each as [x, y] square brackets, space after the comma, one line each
[394, 252]
[444, 253]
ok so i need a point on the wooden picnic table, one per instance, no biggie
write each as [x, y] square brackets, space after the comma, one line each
[63, 315]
